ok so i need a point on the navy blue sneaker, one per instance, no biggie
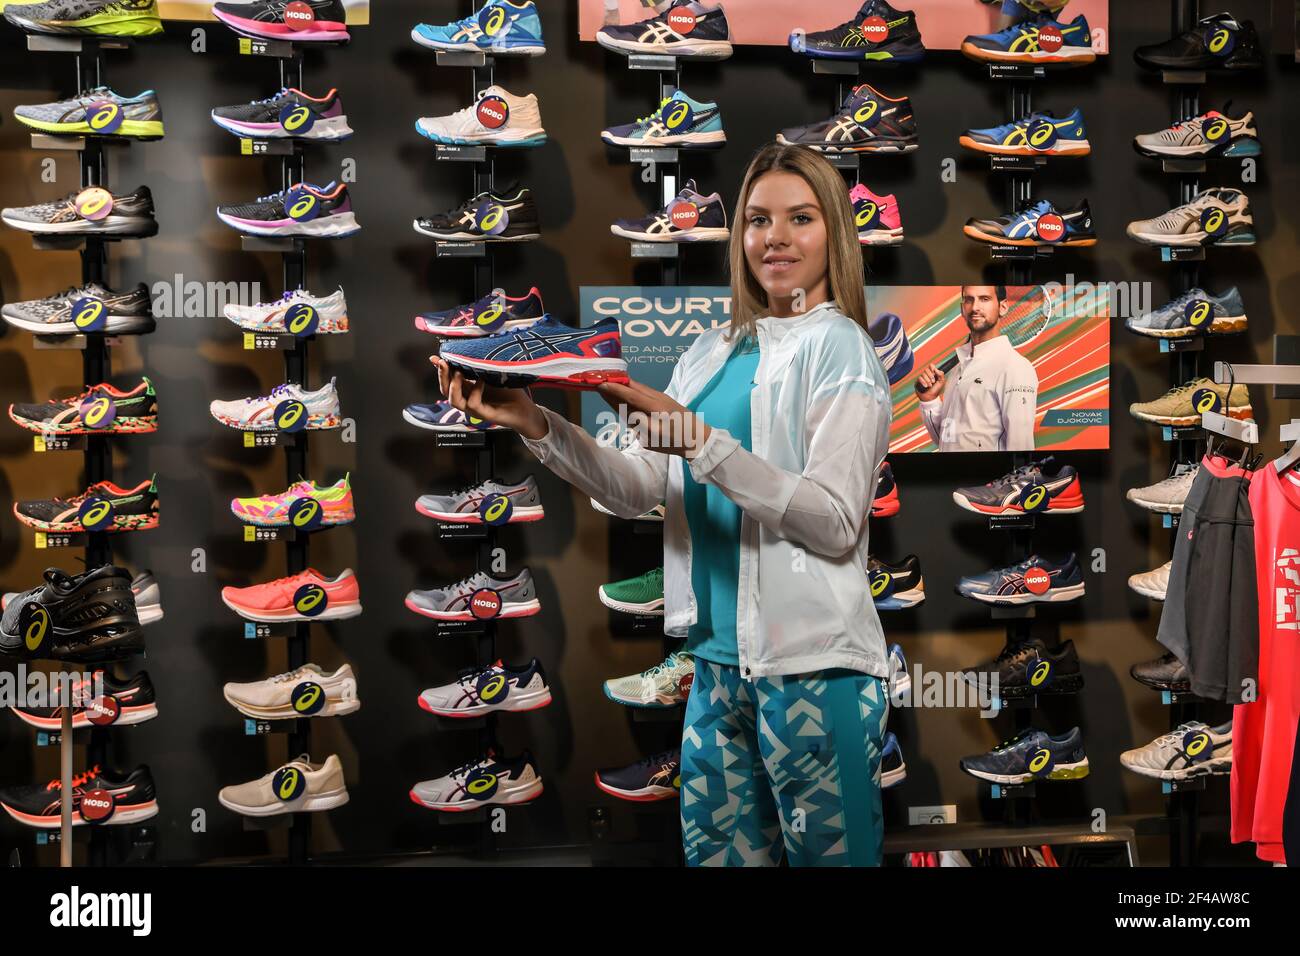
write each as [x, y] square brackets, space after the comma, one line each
[495, 312]
[893, 770]
[500, 28]
[1039, 223]
[690, 217]
[442, 417]
[1042, 39]
[687, 29]
[1031, 755]
[545, 353]
[1039, 134]
[654, 778]
[1034, 580]
[679, 121]
[878, 34]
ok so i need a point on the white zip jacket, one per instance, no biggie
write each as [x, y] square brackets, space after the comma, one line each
[989, 405]
[820, 410]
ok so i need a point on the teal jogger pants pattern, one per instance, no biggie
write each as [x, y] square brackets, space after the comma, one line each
[782, 765]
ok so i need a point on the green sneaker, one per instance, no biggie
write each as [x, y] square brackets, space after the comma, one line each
[640, 595]
[664, 685]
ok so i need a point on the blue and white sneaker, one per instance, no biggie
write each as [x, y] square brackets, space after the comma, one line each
[544, 353]
[1031, 755]
[1037, 224]
[1033, 581]
[893, 770]
[1040, 40]
[1039, 134]
[500, 28]
[679, 121]
[892, 346]
[443, 417]
[687, 29]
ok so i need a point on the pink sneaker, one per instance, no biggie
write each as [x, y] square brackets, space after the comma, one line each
[877, 217]
[272, 511]
[309, 596]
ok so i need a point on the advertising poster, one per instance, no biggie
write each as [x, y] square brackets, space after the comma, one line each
[943, 23]
[1038, 380]
[358, 10]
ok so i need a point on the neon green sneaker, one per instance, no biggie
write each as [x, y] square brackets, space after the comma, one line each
[643, 594]
[102, 18]
[97, 112]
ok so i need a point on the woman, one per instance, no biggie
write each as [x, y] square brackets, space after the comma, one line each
[767, 472]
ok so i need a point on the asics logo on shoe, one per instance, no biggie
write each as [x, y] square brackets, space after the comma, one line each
[35, 633]
[482, 785]
[495, 21]
[1040, 761]
[493, 687]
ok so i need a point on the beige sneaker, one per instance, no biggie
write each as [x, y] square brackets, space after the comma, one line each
[497, 118]
[1152, 584]
[300, 786]
[292, 695]
[1178, 405]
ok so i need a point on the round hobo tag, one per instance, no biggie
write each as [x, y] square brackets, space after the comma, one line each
[89, 314]
[34, 622]
[1198, 313]
[302, 320]
[684, 215]
[94, 203]
[103, 711]
[875, 30]
[306, 514]
[1039, 673]
[681, 21]
[496, 510]
[1035, 498]
[1037, 581]
[1050, 227]
[297, 119]
[1206, 400]
[288, 784]
[308, 698]
[1050, 39]
[310, 600]
[299, 16]
[492, 218]
[1040, 762]
[97, 806]
[882, 585]
[104, 118]
[485, 604]
[301, 205]
[684, 685]
[96, 513]
[291, 415]
[493, 112]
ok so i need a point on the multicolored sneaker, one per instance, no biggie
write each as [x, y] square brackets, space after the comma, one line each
[1038, 223]
[277, 511]
[102, 507]
[1039, 134]
[487, 781]
[1031, 755]
[658, 777]
[330, 312]
[664, 685]
[495, 312]
[443, 417]
[485, 690]
[679, 122]
[97, 112]
[1210, 134]
[690, 217]
[878, 34]
[124, 313]
[101, 18]
[317, 212]
[306, 596]
[1195, 312]
[497, 118]
[259, 414]
[478, 597]
[289, 114]
[1029, 488]
[467, 506]
[302, 21]
[498, 28]
[686, 29]
[544, 353]
[100, 410]
[1042, 39]
[643, 594]
[868, 122]
[877, 218]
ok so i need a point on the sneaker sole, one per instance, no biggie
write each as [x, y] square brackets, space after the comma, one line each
[472, 236]
[1065, 771]
[1180, 421]
[334, 707]
[1210, 768]
[1074, 147]
[265, 31]
[305, 804]
[978, 236]
[526, 49]
[122, 816]
[521, 795]
[127, 717]
[128, 227]
[338, 226]
[517, 515]
[966, 504]
[334, 611]
[515, 703]
[565, 371]
[644, 795]
[683, 141]
[1063, 55]
[702, 234]
[654, 705]
[332, 129]
[454, 429]
[513, 609]
[1053, 596]
[687, 49]
[653, 608]
[130, 129]
[115, 325]
[1222, 325]
[526, 139]
[873, 147]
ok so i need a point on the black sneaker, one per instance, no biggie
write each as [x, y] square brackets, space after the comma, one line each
[84, 617]
[878, 34]
[123, 313]
[690, 217]
[895, 587]
[687, 29]
[290, 114]
[128, 509]
[1220, 42]
[655, 778]
[125, 702]
[506, 216]
[868, 122]
[1166, 672]
[98, 796]
[321, 212]
[1028, 669]
[133, 412]
[89, 212]
[306, 21]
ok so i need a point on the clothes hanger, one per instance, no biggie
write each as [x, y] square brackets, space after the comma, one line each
[1291, 457]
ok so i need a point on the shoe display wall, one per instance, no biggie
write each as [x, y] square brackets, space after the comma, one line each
[619, 188]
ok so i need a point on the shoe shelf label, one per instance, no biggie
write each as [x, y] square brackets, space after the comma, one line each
[253, 147]
[251, 47]
[254, 534]
[1169, 521]
[261, 439]
[257, 728]
[254, 630]
[448, 628]
[44, 739]
[104, 118]
[460, 249]
[44, 443]
[1016, 71]
[475, 439]
[450, 531]
[999, 164]
[47, 837]
[1181, 432]
[46, 540]
[464, 154]
[1011, 522]
[261, 341]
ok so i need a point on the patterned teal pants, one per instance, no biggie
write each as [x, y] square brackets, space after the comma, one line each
[782, 765]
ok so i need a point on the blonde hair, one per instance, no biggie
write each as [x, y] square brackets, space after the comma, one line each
[844, 255]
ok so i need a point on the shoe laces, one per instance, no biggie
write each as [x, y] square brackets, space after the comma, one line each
[1176, 735]
[290, 675]
[78, 781]
[646, 120]
[671, 662]
[284, 91]
[276, 392]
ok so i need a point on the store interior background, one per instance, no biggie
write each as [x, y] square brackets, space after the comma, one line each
[197, 745]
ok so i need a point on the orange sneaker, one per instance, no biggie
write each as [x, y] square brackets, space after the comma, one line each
[309, 596]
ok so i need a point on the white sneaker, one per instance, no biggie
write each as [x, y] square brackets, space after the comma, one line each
[498, 118]
[284, 696]
[331, 310]
[300, 786]
[1154, 583]
[1165, 496]
[1193, 750]
[664, 685]
[258, 414]
[491, 688]
[487, 780]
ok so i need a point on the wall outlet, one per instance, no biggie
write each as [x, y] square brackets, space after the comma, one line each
[917, 816]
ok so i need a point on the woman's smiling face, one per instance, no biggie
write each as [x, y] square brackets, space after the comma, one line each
[785, 237]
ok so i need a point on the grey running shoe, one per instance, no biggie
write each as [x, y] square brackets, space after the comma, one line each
[1167, 496]
[479, 596]
[1193, 749]
[463, 507]
[1195, 312]
[148, 597]
[1214, 217]
[127, 312]
[1210, 134]
[106, 18]
[130, 215]
[97, 112]
[1166, 672]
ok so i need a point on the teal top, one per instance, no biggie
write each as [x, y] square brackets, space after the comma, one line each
[713, 519]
